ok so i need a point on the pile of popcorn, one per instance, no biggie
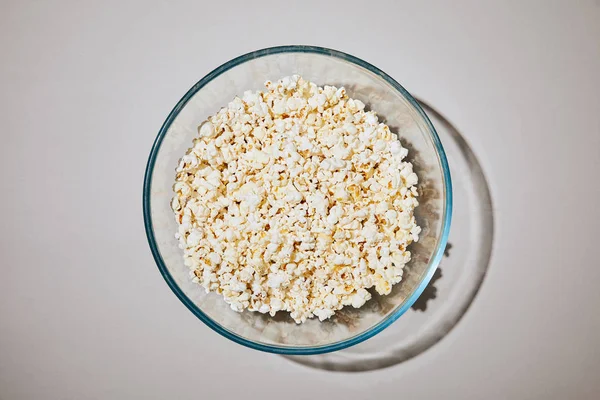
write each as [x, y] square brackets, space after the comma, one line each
[295, 199]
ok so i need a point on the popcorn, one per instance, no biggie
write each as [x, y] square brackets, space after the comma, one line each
[295, 199]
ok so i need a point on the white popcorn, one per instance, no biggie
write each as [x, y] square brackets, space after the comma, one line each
[276, 279]
[293, 196]
[214, 258]
[295, 199]
[206, 130]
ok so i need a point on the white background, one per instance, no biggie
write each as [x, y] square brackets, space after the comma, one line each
[84, 88]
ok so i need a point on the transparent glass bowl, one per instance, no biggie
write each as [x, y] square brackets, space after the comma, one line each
[394, 105]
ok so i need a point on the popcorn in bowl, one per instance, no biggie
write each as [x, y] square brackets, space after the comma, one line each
[295, 199]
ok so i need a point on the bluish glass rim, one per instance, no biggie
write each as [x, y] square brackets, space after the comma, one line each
[285, 349]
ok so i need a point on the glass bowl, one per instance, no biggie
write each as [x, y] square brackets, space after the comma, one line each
[395, 107]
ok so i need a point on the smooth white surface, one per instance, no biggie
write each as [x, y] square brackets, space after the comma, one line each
[84, 313]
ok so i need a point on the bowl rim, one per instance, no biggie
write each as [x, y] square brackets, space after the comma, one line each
[291, 350]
